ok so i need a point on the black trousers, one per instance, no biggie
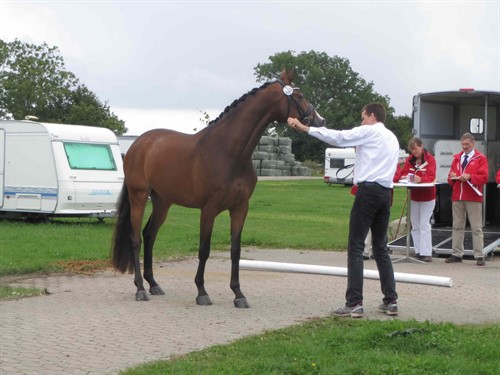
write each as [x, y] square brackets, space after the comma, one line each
[371, 209]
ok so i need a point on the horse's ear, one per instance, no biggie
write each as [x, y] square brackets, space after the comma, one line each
[287, 75]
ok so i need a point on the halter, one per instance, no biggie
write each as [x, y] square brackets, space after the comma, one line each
[288, 91]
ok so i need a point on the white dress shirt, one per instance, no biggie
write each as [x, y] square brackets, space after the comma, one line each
[377, 150]
[470, 155]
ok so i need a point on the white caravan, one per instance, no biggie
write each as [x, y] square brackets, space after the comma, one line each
[58, 170]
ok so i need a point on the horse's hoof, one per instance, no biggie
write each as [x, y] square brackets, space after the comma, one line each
[141, 296]
[241, 303]
[156, 291]
[203, 300]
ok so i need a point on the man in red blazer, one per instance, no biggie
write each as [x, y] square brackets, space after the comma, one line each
[468, 175]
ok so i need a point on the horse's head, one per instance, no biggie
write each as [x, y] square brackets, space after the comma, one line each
[298, 106]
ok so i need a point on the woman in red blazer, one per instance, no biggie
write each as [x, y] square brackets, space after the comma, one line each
[422, 166]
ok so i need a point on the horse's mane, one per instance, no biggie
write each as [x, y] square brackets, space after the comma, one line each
[237, 101]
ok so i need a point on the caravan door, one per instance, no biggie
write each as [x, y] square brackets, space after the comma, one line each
[2, 164]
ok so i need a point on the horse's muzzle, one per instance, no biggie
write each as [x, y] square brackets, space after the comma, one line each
[318, 121]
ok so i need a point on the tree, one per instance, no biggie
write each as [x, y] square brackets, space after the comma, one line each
[401, 126]
[86, 109]
[337, 92]
[34, 81]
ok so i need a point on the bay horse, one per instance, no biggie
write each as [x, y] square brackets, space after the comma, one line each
[210, 170]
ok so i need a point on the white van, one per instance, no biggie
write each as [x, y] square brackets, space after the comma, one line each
[339, 165]
[58, 170]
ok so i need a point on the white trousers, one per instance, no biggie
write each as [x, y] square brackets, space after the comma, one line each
[421, 213]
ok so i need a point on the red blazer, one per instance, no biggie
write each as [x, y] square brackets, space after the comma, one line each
[497, 179]
[478, 170]
[427, 174]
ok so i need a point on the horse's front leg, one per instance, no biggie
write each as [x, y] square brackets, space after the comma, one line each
[206, 228]
[238, 216]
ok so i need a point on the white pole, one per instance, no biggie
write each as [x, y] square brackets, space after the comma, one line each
[257, 265]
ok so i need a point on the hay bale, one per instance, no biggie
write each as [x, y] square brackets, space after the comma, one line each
[397, 229]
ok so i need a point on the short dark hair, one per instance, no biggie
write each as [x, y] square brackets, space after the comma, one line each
[468, 136]
[377, 109]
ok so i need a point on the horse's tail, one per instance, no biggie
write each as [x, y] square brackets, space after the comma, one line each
[122, 257]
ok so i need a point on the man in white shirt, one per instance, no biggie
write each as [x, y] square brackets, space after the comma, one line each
[377, 151]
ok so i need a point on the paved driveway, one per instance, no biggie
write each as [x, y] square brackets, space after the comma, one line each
[93, 325]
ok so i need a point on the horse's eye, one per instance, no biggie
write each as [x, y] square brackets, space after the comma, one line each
[306, 120]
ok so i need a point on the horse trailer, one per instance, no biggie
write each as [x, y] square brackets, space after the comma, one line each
[58, 170]
[440, 119]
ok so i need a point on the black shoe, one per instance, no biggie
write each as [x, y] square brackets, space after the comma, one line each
[426, 259]
[454, 259]
[365, 257]
[480, 262]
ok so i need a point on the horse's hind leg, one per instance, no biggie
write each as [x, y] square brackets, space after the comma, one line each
[206, 227]
[138, 200]
[157, 218]
[238, 216]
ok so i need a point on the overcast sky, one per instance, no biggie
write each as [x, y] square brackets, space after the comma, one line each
[160, 63]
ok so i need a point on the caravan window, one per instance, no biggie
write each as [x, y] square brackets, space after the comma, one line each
[90, 156]
[337, 163]
[476, 125]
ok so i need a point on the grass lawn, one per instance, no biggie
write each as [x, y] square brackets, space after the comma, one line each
[337, 346]
[300, 214]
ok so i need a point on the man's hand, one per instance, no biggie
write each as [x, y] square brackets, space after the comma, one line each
[464, 177]
[296, 124]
